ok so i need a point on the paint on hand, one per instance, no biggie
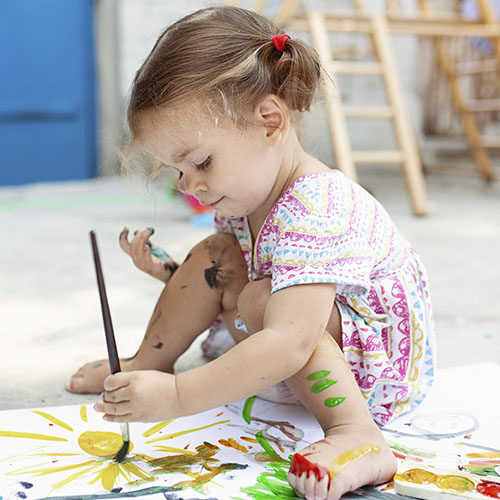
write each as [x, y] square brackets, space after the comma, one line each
[350, 456]
[164, 257]
[301, 465]
[247, 409]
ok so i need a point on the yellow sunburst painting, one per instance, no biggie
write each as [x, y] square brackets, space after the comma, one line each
[68, 452]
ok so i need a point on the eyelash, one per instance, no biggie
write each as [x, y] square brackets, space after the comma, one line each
[204, 164]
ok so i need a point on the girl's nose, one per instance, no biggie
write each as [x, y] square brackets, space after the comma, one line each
[192, 184]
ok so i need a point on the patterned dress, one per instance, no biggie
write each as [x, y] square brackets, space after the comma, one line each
[327, 229]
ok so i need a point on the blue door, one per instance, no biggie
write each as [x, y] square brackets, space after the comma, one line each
[47, 91]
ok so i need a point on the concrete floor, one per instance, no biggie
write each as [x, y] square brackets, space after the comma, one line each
[49, 308]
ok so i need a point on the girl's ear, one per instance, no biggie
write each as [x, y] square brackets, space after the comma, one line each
[272, 113]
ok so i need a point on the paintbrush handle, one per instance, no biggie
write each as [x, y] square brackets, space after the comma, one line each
[114, 361]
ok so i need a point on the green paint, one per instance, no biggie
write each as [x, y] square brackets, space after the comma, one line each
[272, 484]
[484, 471]
[247, 409]
[407, 450]
[331, 402]
[318, 374]
[267, 447]
[321, 385]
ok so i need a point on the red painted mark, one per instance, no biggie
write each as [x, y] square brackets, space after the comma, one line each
[415, 459]
[219, 414]
[51, 425]
[467, 436]
[398, 455]
[300, 464]
[186, 447]
[489, 489]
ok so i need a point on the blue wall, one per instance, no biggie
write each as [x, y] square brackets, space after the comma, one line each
[47, 91]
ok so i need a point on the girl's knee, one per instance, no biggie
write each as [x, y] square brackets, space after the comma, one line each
[220, 260]
[252, 301]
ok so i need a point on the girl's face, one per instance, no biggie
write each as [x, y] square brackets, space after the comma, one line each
[230, 169]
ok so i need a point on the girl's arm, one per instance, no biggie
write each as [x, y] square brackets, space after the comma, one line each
[294, 320]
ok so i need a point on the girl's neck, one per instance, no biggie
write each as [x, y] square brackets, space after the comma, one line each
[295, 163]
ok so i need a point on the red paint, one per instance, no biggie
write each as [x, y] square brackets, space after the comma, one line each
[300, 464]
[398, 455]
[186, 447]
[489, 489]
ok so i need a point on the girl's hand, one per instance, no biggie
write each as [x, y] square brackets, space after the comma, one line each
[140, 249]
[139, 396]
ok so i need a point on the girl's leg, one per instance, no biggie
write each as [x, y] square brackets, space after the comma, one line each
[206, 284]
[353, 452]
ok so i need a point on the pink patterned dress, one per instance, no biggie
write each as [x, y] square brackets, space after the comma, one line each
[327, 229]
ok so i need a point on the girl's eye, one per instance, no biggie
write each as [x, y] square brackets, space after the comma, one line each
[204, 164]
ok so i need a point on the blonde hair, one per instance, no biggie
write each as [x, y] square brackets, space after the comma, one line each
[224, 57]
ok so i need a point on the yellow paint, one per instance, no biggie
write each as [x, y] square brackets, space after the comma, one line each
[83, 413]
[71, 478]
[484, 454]
[172, 449]
[182, 433]
[157, 427]
[55, 454]
[349, 456]
[50, 470]
[232, 443]
[100, 443]
[107, 476]
[30, 435]
[448, 482]
[417, 476]
[54, 420]
[455, 483]
[250, 440]
[134, 469]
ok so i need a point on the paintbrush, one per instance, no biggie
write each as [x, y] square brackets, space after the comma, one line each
[114, 361]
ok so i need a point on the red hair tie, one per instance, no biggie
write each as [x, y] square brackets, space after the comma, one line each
[279, 42]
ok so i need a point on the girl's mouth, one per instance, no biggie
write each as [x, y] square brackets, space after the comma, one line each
[215, 203]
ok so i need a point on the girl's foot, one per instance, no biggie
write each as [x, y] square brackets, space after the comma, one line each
[90, 377]
[350, 456]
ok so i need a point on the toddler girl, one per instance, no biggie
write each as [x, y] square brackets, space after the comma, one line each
[306, 269]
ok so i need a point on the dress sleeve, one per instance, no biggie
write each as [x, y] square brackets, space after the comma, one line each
[222, 224]
[316, 247]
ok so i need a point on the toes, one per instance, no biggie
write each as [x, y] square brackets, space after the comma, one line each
[297, 483]
[310, 487]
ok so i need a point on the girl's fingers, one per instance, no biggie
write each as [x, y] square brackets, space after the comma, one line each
[113, 409]
[117, 381]
[139, 245]
[124, 243]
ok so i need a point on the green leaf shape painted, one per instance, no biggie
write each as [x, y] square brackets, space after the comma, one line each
[318, 374]
[321, 385]
[331, 402]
